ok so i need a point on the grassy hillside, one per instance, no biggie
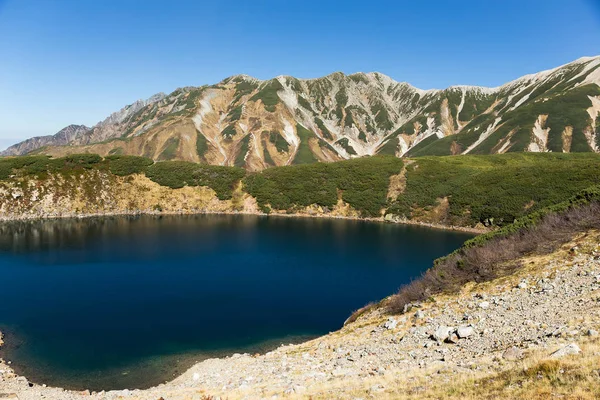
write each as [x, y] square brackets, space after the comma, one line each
[363, 183]
[492, 255]
[492, 190]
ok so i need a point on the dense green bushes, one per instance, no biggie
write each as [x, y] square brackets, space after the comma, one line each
[9, 165]
[36, 165]
[268, 95]
[177, 174]
[498, 253]
[363, 184]
[585, 197]
[127, 165]
[495, 189]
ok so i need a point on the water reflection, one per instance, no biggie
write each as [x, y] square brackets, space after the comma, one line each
[120, 292]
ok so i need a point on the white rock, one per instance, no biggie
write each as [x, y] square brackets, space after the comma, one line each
[442, 333]
[465, 331]
[341, 372]
[196, 376]
[590, 332]
[391, 323]
[569, 349]
[512, 354]
[299, 389]
[376, 389]
[484, 305]
[522, 285]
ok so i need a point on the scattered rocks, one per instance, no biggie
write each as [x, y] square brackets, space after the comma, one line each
[377, 389]
[512, 354]
[568, 350]
[442, 333]
[465, 331]
[522, 285]
[453, 338]
[391, 323]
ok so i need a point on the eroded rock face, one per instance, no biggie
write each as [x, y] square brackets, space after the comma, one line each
[255, 124]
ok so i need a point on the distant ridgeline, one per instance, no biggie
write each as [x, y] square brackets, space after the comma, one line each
[255, 124]
[461, 191]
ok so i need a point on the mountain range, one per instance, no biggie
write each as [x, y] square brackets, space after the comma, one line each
[256, 124]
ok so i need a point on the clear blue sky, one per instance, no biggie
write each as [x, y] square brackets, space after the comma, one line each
[76, 61]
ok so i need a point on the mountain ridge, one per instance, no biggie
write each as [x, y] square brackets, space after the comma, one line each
[256, 124]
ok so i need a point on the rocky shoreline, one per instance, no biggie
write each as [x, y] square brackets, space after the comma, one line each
[401, 221]
[550, 309]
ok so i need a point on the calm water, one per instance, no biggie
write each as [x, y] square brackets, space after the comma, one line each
[129, 302]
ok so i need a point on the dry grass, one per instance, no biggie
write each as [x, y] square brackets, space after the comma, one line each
[496, 258]
[536, 378]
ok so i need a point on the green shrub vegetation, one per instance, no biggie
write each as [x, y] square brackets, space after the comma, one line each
[304, 103]
[304, 154]
[127, 165]
[244, 145]
[498, 253]
[567, 109]
[279, 141]
[267, 156]
[235, 114]
[326, 134]
[382, 117]
[390, 147]
[268, 95]
[346, 145]
[494, 189]
[244, 87]
[39, 165]
[177, 174]
[170, 149]
[201, 145]
[363, 183]
[229, 132]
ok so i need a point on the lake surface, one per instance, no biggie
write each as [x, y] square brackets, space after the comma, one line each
[127, 302]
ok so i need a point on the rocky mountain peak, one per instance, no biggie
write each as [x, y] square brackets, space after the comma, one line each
[255, 124]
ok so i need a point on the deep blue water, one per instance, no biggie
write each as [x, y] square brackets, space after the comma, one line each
[129, 302]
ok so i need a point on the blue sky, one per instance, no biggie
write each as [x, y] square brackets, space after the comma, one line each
[76, 61]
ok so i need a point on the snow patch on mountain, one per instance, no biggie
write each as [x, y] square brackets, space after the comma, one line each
[490, 129]
[539, 143]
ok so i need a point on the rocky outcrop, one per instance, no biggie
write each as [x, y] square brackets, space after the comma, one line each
[66, 136]
[255, 124]
[76, 135]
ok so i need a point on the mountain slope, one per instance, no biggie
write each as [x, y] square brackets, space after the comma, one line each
[255, 124]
